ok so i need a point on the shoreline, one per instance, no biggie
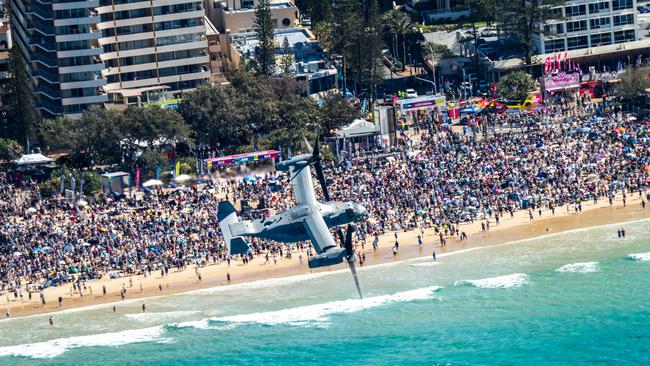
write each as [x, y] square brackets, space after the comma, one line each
[509, 231]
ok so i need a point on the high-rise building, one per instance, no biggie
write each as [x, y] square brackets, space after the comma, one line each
[589, 23]
[78, 50]
[153, 42]
[59, 40]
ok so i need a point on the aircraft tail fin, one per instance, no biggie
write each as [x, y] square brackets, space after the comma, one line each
[227, 215]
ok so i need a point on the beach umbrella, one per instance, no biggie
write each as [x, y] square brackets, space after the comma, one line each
[182, 178]
[153, 183]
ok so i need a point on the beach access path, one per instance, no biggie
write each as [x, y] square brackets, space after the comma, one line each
[510, 229]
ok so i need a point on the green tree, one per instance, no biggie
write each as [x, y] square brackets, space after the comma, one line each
[22, 116]
[516, 85]
[632, 85]
[336, 112]
[151, 126]
[398, 24]
[58, 134]
[10, 149]
[432, 49]
[325, 34]
[216, 116]
[99, 133]
[286, 60]
[523, 19]
[265, 50]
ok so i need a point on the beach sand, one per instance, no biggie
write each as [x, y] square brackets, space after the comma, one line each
[510, 229]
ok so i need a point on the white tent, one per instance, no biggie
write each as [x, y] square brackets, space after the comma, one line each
[358, 128]
[33, 159]
[152, 183]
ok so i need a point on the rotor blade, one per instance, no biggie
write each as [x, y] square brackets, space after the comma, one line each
[348, 241]
[321, 179]
[354, 275]
[341, 237]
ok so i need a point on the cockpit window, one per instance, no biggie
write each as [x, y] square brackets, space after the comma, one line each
[349, 212]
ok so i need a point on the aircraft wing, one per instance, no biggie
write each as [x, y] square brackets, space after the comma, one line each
[303, 187]
[319, 234]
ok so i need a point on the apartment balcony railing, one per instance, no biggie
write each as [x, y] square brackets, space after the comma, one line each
[51, 90]
[42, 11]
[52, 77]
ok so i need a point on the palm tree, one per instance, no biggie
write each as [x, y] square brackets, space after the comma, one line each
[398, 24]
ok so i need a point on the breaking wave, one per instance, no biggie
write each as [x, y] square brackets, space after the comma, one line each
[155, 317]
[57, 347]
[508, 281]
[644, 257]
[586, 267]
[318, 313]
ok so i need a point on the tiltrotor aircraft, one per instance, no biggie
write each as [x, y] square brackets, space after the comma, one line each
[307, 220]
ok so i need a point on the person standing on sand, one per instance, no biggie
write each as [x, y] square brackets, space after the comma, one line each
[7, 313]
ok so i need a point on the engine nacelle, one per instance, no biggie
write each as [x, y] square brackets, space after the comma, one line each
[329, 257]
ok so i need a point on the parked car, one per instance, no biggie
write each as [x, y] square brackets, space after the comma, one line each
[306, 22]
[489, 32]
[411, 93]
[642, 9]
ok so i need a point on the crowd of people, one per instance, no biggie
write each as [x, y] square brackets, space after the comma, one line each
[438, 178]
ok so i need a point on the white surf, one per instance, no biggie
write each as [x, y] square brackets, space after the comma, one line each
[319, 312]
[508, 281]
[585, 267]
[57, 347]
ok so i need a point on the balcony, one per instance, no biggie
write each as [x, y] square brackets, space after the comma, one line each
[49, 90]
[50, 76]
[44, 59]
[50, 105]
[44, 27]
[41, 11]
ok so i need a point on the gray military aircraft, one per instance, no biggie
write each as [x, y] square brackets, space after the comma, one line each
[307, 220]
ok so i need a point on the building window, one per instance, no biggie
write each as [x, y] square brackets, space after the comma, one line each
[575, 10]
[624, 36]
[599, 23]
[598, 7]
[286, 22]
[576, 26]
[601, 39]
[576, 43]
[623, 19]
[554, 28]
[622, 4]
[554, 45]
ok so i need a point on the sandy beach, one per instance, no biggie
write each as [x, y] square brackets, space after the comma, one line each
[510, 229]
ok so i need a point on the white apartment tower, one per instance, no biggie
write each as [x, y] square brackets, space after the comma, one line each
[589, 23]
[153, 42]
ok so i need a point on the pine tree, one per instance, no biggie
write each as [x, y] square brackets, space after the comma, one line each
[286, 61]
[22, 115]
[265, 51]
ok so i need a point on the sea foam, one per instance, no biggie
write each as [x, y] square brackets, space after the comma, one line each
[156, 317]
[644, 257]
[318, 313]
[57, 347]
[508, 281]
[586, 267]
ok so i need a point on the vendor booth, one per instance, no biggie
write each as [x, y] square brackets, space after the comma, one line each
[412, 111]
[560, 82]
[115, 183]
[360, 134]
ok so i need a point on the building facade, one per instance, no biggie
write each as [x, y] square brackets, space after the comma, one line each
[153, 42]
[237, 16]
[588, 24]
[59, 40]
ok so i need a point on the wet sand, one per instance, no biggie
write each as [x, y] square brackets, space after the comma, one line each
[510, 229]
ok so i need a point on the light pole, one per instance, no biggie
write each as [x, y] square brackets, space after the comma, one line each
[433, 84]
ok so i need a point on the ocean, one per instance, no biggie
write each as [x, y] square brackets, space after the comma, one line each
[574, 298]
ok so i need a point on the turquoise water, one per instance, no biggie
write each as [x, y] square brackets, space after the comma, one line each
[576, 298]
